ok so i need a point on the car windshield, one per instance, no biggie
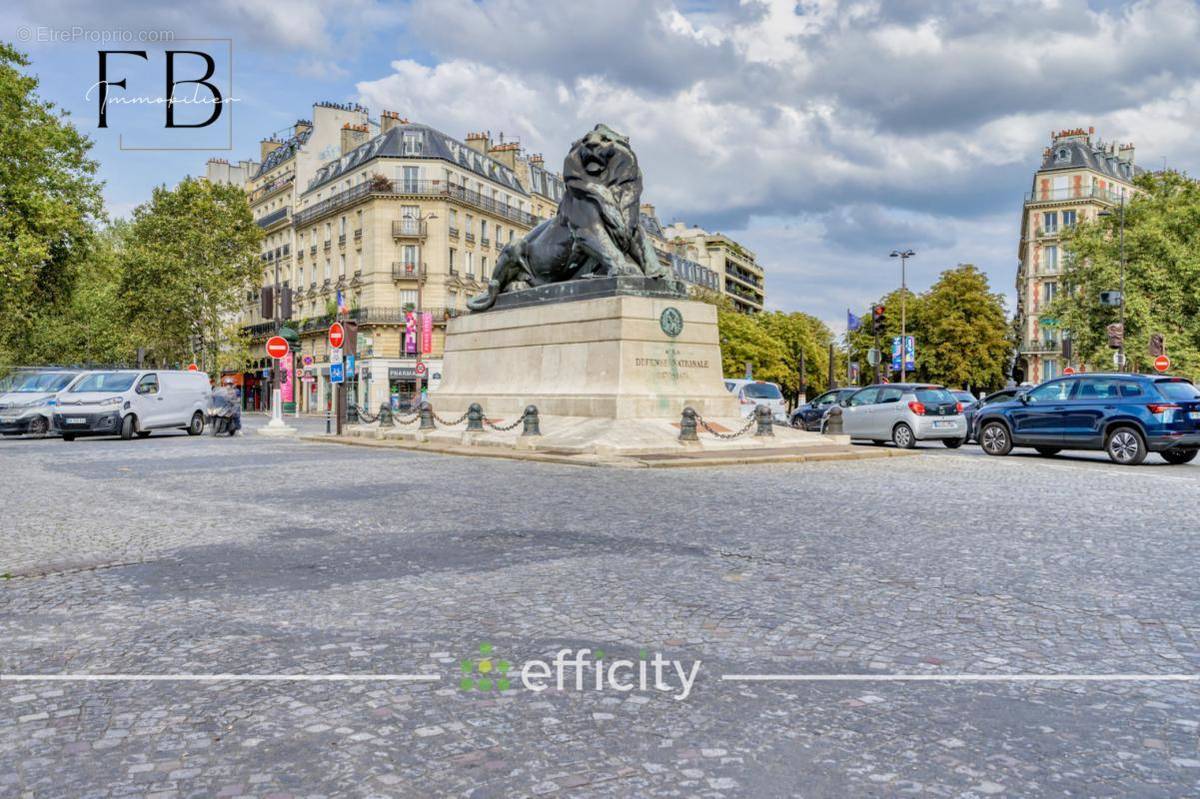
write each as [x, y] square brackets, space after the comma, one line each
[762, 391]
[932, 394]
[105, 381]
[41, 382]
[1177, 390]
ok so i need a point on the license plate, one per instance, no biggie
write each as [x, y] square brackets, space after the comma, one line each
[76, 420]
[7, 419]
[944, 424]
[1194, 414]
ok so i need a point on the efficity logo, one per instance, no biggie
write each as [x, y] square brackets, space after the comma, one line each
[579, 670]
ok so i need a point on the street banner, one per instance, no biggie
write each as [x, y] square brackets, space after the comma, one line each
[910, 353]
[426, 333]
[852, 322]
[287, 387]
[410, 333]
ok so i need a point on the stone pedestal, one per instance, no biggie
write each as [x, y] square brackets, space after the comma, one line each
[604, 355]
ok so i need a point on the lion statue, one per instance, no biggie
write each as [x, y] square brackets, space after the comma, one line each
[595, 232]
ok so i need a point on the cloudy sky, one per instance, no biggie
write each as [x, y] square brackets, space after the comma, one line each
[820, 134]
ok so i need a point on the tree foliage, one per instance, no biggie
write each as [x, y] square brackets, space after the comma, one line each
[961, 336]
[1162, 277]
[49, 202]
[191, 255]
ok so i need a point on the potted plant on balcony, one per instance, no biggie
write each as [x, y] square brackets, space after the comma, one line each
[380, 183]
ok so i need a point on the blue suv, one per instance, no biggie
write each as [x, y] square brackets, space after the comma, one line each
[1127, 416]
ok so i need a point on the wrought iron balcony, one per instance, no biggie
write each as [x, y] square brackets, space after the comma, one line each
[405, 271]
[408, 228]
[418, 188]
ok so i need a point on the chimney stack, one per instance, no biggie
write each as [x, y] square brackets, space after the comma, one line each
[301, 126]
[506, 154]
[537, 160]
[389, 120]
[352, 136]
[268, 146]
[479, 142]
[1125, 153]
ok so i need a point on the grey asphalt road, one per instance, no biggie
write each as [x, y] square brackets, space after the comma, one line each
[281, 563]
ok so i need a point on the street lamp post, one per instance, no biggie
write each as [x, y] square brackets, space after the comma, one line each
[1121, 288]
[903, 255]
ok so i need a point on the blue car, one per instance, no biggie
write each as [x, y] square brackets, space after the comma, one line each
[1128, 416]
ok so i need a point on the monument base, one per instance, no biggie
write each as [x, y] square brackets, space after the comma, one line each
[611, 350]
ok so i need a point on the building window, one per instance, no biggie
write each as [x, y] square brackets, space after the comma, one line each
[342, 265]
[328, 231]
[412, 142]
[451, 262]
[1068, 219]
[412, 178]
[453, 218]
[1049, 368]
[1050, 222]
[483, 228]
[408, 297]
[483, 266]
[410, 254]
[327, 270]
[1050, 259]
[470, 256]
[1049, 292]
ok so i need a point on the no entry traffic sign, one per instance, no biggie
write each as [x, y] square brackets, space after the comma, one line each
[277, 347]
[1162, 363]
[337, 335]
[1070, 370]
[192, 367]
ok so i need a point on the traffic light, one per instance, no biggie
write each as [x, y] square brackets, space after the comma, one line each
[878, 320]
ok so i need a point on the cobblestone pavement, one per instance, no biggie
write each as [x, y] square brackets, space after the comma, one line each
[174, 555]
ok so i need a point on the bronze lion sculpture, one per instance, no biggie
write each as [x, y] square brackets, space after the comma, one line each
[595, 232]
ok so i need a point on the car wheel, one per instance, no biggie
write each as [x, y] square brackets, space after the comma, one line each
[128, 427]
[39, 426]
[1048, 452]
[902, 436]
[953, 443]
[994, 439]
[197, 425]
[68, 436]
[1179, 456]
[1125, 446]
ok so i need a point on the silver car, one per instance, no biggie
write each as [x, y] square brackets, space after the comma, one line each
[904, 413]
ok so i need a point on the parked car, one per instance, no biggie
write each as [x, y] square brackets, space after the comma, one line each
[809, 416]
[25, 400]
[128, 401]
[971, 412]
[1125, 415]
[752, 393]
[904, 413]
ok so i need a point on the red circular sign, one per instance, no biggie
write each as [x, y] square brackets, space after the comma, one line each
[1162, 363]
[277, 347]
[337, 334]
[193, 367]
[420, 369]
[1070, 370]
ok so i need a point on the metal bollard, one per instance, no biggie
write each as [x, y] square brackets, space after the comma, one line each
[385, 416]
[766, 422]
[328, 422]
[687, 425]
[833, 422]
[426, 411]
[532, 427]
[475, 418]
[352, 413]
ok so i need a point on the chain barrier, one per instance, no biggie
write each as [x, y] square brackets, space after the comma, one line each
[362, 414]
[372, 418]
[444, 423]
[504, 428]
[749, 423]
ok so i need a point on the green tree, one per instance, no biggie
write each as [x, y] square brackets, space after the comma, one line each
[49, 202]
[1162, 277]
[964, 335]
[90, 327]
[744, 339]
[191, 255]
[798, 333]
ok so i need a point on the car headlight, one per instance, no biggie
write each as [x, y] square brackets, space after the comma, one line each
[111, 401]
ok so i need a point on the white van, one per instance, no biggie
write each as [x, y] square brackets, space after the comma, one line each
[25, 400]
[126, 402]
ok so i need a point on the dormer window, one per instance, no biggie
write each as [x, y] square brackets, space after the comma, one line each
[1063, 156]
[412, 142]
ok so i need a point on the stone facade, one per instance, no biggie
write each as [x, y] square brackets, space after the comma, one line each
[1078, 179]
